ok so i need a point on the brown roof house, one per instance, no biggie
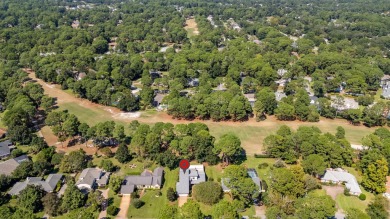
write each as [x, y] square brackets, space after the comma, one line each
[147, 179]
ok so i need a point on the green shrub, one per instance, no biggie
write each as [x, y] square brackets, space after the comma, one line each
[171, 194]
[137, 203]
[362, 197]
[262, 156]
[112, 210]
[346, 192]
[263, 165]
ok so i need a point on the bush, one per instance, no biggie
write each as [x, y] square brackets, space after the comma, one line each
[171, 194]
[346, 192]
[112, 210]
[279, 164]
[107, 152]
[362, 197]
[137, 203]
[262, 156]
[263, 165]
[134, 195]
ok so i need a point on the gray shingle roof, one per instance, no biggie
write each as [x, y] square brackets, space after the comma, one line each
[194, 175]
[146, 179]
[48, 185]
[127, 189]
[8, 166]
[4, 148]
[91, 175]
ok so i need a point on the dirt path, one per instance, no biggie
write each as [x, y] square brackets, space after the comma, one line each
[124, 207]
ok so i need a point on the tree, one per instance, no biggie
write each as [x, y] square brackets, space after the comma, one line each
[168, 212]
[119, 133]
[73, 198]
[285, 111]
[112, 210]
[75, 161]
[5, 212]
[115, 183]
[47, 103]
[5, 182]
[24, 170]
[378, 208]
[340, 134]
[171, 194]
[265, 103]
[51, 204]
[229, 146]
[315, 206]
[287, 183]
[122, 154]
[190, 210]
[207, 192]
[30, 198]
[107, 165]
[95, 199]
[374, 177]
[242, 187]
[22, 213]
[314, 164]
[225, 210]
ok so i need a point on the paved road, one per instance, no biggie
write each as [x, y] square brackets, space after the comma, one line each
[105, 195]
[124, 207]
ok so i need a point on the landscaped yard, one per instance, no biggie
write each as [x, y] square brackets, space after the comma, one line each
[154, 204]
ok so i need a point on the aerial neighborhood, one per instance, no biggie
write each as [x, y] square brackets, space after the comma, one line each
[194, 109]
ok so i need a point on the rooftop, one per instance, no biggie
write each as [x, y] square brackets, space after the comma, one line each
[8, 166]
[5, 148]
[48, 185]
[147, 178]
[340, 175]
[195, 174]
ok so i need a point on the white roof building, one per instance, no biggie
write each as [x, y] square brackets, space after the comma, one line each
[338, 176]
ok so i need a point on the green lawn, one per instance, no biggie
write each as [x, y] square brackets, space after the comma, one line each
[346, 202]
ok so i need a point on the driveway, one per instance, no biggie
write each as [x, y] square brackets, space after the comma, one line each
[103, 213]
[182, 200]
[62, 190]
[124, 207]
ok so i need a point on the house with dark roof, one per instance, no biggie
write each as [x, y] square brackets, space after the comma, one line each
[8, 166]
[195, 174]
[91, 178]
[48, 185]
[193, 82]
[147, 180]
[5, 148]
[251, 173]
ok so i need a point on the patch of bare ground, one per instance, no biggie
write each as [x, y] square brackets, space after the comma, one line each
[192, 25]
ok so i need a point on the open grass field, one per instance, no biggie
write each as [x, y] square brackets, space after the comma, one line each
[191, 27]
[250, 132]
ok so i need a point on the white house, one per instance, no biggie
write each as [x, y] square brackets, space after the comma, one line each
[339, 176]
